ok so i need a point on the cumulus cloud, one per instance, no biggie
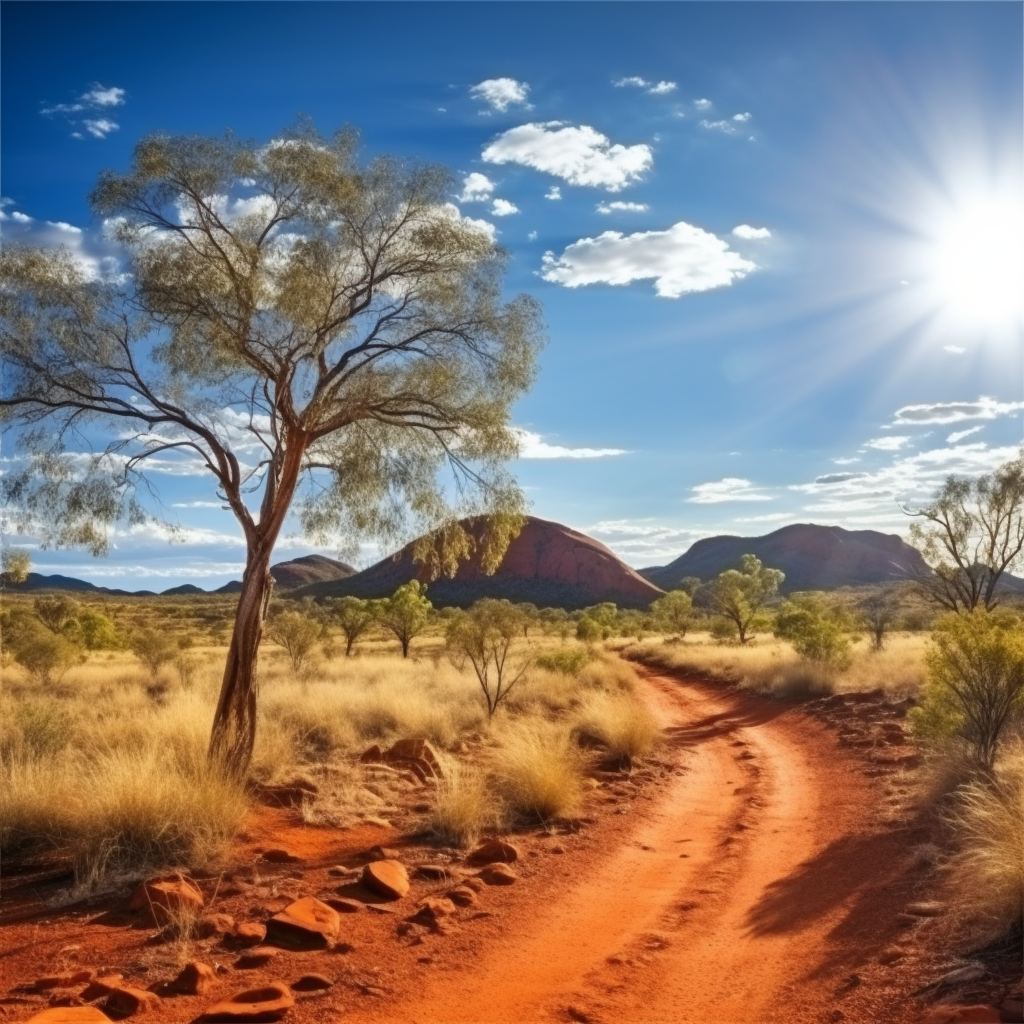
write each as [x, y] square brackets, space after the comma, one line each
[501, 93]
[745, 231]
[887, 444]
[680, 260]
[99, 96]
[702, 104]
[98, 258]
[503, 208]
[771, 517]
[96, 98]
[553, 193]
[742, 118]
[959, 435]
[618, 207]
[101, 127]
[847, 461]
[644, 542]
[654, 88]
[662, 88]
[580, 156]
[532, 236]
[726, 127]
[476, 188]
[984, 408]
[730, 488]
[533, 446]
[957, 350]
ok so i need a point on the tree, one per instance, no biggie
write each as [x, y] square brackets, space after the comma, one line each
[15, 564]
[972, 533]
[305, 329]
[45, 655]
[739, 594]
[154, 649]
[879, 612]
[485, 636]
[405, 613]
[975, 681]
[815, 630]
[55, 611]
[674, 612]
[298, 634]
[354, 616]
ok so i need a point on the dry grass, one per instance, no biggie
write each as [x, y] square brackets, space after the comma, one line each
[465, 806]
[622, 725]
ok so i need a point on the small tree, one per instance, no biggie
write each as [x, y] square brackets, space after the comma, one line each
[485, 636]
[45, 655]
[98, 632]
[154, 648]
[15, 564]
[354, 616]
[55, 611]
[589, 630]
[739, 594]
[674, 612]
[816, 631]
[405, 613]
[975, 684]
[879, 613]
[972, 533]
[298, 634]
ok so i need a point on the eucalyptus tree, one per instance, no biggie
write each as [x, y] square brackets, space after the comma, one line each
[303, 327]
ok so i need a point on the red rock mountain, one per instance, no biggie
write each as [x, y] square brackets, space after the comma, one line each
[547, 564]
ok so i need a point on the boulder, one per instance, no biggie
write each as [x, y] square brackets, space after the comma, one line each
[247, 933]
[432, 910]
[387, 878]
[194, 980]
[417, 755]
[305, 924]
[255, 958]
[493, 851]
[269, 1003]
[70, 1015]
[311, 983]
[497, 874]
[372, 755]
[343, 905]
[101, 986]
[432, 872]
[462, 896]
[210, 925]
[168, 898]
[126, 1001]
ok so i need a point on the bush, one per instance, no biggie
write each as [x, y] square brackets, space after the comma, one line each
[464, 807]
[568, 660]
[589, 630]
[297, 634]
[620, 723]
[44, 655]
[815, 633]
[98, 632]
[723, 630]
[154, 649]
[538, 772]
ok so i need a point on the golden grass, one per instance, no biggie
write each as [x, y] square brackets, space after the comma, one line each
[464, 806]
[620, 723]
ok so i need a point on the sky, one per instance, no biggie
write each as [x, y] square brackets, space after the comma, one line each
[778, 245]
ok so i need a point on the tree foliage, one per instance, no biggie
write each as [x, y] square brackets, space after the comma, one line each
[405, 613]
[153, 648]
[879, 613]
[300, 326]
[739, 594]
[354, 617]
[816, 630]
[298, 634]
[970, 534]
[674, 612]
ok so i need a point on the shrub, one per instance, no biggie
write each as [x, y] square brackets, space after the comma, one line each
[815, 633]
[464, 807]
[98, 632]
[297, 634]
[538, 772]
[568, 660]
[55, 611]
[154, 648]
[589, 630]
[623, 726]
[723, 630]
[354, 616]
[44, 655]
[674, 612]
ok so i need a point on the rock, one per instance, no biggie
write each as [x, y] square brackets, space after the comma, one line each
[269, 1003]
[492, 852]
[343, 905]
[433, 909]
[280, 856]
[258, 957]
[311, 983]
[127, 1002]
[383, 853]
[342, 872]
[215, 924]
[372, 755]
[418, 752]
[69, 980]
[462, 896]
[247, 933]
[976, 1014]
[497, 874]
[305, 924]
[387, 878]
[101, 986]
[168, 898]
[432, 872]
[473, 884]
[194, 980]
[70, 1015]
[65, 1000]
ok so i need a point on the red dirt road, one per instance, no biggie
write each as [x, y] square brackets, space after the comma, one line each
[747, 892]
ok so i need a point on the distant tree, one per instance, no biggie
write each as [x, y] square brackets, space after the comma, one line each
[354, 616]
[45, 655]
[815, 630]
[287, 318]
[557, 621]
[674, 612]
[739, 594]
[298, 634]
[98, 632]
[633, 623]
[154, 648]
[15, 564]
[689, 585]
[589, 630]
[530, 613]
[485, 637]
[970, 534]
[405, 613]
[879, 613]
[56, 611]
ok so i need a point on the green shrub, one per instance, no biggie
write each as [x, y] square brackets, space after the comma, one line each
[570, 660]
[815, 632]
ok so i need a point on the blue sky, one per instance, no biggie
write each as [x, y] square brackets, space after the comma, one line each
[778, 245]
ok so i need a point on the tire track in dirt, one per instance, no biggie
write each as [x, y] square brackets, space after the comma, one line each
[731, 902]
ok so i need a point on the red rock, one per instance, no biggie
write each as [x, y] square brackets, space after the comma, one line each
[195, 978]
[259, 957]
[69, 980]
[167, 897]
[432, 872]
[418, 754]
[387, 878]
[497, 874]
[372, 755]
[494, 851]
[269, 1003]
[311, 983]
[462, 896]
[101, 986]
[433, 909]
[280, 856]
[127, 1002]
[215, 924]
[305, 924]
[976, 1014]
[70, 1015]
[344, 905]
[247, 933]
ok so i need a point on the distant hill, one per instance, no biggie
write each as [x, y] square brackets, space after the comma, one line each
[183, 591]
[812, 557]
[547, 564]
[37, 581]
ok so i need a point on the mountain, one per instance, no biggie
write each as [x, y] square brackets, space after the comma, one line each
[309, 569]
[812, 557]
[547, 564]
[37, 581]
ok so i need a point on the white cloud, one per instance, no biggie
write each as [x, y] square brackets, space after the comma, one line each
[632, 80]
[97, 256]
[476, 188]
[771, 517]
[730, 488]
[533, 446]
[847, 461]
[580, 156]
[662, 88]
[727, 127]
[644, 542]
[984, 408]
[98, 96]
[553, 193]
[747, 232]
[887, 444]
[503, 208]
[532, 236]
[702, 104]
[618, 207]
[957, 350]
[197, 504]
[483, 226]
[742, 118]
[101, 127]
[680, 260]
[959, 435]
[501, 93]
[21, 218]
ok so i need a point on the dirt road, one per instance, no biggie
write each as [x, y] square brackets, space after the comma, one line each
[748, 891]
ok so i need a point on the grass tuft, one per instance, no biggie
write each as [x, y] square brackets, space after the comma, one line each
[537, 771]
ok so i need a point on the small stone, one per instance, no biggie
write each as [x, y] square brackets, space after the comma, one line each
[497, 874]
[305, 924]
[433, 909]
[195, 978]
[372, 755]
[384, 853]
[432, 872]
[69, 980]
[492, 852]
[247, 933]
[167, 897]
[269, 1003]
[210, 925]
[65, 999]
[311, 983]
[387, 878]
[70, 1015]
[127, 1002]
[462, 896]
[556, 848]
[280, 856]
[343, 905]
[474, 884]
[101, 986]
[259, 957]
[338, 871]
